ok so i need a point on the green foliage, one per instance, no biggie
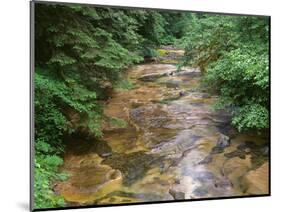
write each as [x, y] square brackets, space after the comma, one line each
[52, 97]
[148, 52]
[206, 39]
[152, 28]
[45, 173]
[242, 80]
[252, 116]
[233, 51]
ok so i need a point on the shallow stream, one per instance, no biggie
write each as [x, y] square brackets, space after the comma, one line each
[174, 145]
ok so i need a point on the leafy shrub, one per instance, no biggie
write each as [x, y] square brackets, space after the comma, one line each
[52, 96]
[233, 54]
[45, 173]
[148, 52]
[241, 78]
[252, 116]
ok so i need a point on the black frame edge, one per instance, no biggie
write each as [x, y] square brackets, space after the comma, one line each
[31, 105]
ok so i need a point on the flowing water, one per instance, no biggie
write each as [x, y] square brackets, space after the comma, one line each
[168, 147]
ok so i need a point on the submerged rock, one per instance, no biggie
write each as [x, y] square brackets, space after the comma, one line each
[223, 183]
[217, 150]
[133, 166]
[206, 160]
[204, 176]
[200, 192]
[247, 145]
[89, 179]
[149, 77]
[173, 83]
[236, 153]
[257, 181]
[182, 142]
[235, 168]
[177, 195]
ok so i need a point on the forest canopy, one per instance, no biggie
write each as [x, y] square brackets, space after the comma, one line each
[81, 52]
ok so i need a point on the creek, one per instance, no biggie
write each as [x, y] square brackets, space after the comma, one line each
[173, 145]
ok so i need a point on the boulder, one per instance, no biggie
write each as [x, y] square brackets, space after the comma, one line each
[223, 141]
[205, 95]
[149, 77]
[154, 76]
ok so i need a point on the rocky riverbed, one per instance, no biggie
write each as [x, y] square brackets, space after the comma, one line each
[173, 145]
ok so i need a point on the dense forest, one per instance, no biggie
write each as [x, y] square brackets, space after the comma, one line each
[82, 51]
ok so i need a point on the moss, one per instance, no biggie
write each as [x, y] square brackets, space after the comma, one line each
[116, 122]
[169, 61]
[162, 52]
[132, 166]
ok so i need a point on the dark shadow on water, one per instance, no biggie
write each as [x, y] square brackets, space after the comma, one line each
[24, 206]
